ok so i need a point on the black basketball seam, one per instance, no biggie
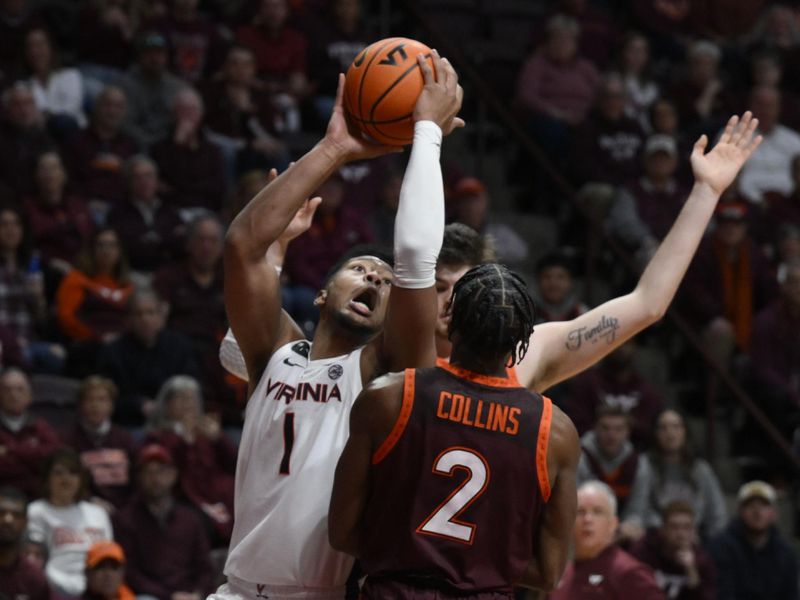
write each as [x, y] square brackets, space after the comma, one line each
[389, 42]
[391, 87]
[384, 122]
[393, 137]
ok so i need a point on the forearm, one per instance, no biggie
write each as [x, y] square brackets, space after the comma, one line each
[419, 224]
[661, 278]
[264, 219]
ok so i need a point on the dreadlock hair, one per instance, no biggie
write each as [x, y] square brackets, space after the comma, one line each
[376, 250]
[493, 312]
[462, 246]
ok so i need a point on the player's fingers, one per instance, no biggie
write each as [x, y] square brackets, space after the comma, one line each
[741, 128]
[754, 144]
[458, 123]
[459, 95]
[339, 92]
[729, 128]
[700, 145]
[427, 73]
[313, 204]
[747, 136]
[272, 175]
[450, 76]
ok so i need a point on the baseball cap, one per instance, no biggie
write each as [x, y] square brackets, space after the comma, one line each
[154, 452]
[101, 551]
[661, 143]
[731, 211]
[469, 186]
[756, 489]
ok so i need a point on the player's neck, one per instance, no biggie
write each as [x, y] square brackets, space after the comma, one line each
[465, 360]
[330, 340]
[443, 347]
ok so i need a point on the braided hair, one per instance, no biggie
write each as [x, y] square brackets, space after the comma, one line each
[493, 312]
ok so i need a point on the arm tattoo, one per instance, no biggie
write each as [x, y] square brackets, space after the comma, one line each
[605, 330]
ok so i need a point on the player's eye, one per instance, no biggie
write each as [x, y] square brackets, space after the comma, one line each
[387, 281]
[359, 268]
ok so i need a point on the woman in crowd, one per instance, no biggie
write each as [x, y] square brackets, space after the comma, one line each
[205, 458]
[66, 523]
[642, 90]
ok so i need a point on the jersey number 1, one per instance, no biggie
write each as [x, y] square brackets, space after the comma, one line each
[443, 521]
[288, 442]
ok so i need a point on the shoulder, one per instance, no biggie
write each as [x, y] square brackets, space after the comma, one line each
[630, 571]
[37, 508]
[384, 382]
[377, 407]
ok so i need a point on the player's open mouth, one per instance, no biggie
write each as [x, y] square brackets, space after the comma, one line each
[365, 302]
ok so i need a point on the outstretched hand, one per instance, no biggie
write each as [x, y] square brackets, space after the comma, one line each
[301, 221]
[441, 96]
[719, 168]
[346, 138]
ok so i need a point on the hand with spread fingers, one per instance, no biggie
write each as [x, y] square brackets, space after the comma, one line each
[719, 168]
[441, 97]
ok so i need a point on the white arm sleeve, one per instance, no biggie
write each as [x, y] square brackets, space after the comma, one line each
[230, 355]
[419, 225]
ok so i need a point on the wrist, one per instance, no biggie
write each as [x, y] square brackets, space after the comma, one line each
[334, 152]
[705, 191]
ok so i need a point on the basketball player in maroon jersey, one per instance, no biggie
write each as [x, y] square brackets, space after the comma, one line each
[455, 479]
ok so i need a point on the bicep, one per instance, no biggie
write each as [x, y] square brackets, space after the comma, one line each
[408, 334]
[253, 305]
[564, 348]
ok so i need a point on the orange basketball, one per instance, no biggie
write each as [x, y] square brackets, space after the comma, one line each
[382, 87]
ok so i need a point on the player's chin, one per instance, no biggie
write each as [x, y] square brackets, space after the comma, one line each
[360, 324]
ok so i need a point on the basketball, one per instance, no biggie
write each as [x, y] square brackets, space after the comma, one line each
[382, 87]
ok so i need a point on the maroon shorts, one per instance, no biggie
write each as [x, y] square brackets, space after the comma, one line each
[386, 589]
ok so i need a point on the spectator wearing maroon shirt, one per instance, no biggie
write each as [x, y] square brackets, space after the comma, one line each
[601, 570]
[147, 227]
[608, 145]
[195, 44]
[555, 295]
[646, 208]
[60, 223]
[96, 155]
[205, 458]
[191, 167]
[609, 456]
[23, 138]
[106, 450]
[144, 357]
[165, 542]
[616, 382]
[25, 442]
[682, 568]
[18, 577]
[335, 229]
[728, 281]
[281, 55]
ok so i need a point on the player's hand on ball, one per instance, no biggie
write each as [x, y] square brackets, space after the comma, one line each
[719, 168]
[348, 140]
[440, 99]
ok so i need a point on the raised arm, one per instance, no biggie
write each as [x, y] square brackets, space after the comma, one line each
[553, 534]
[252, 288]
[560, 350]
[408, 335]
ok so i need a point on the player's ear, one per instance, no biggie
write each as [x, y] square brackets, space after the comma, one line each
[322, 296]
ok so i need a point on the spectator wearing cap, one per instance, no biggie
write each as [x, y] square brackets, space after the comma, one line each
[105, 573]
[645, 209]
[19, 578]
[682, 568]
[471, 207]
[25, 441]
[608, 455]
[600, 568]
[769, 169]
[608, 146]
[192, 168]
[555, 294]
[616, 383]
[727, 282]
[165, 542]
[753, 559]
[106, 450]
[150, 89]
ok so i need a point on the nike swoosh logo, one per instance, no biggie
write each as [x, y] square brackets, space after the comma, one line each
[286, 361]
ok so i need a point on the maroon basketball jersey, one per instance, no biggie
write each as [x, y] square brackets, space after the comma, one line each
[459, 484]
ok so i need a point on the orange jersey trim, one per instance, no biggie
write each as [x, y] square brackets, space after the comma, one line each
[402, 419]
[541, 447]
[501, 382]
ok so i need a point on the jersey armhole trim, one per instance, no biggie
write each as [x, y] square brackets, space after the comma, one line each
[402, 419]
[541, 447]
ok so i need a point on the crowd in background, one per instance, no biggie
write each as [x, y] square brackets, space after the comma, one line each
[133, 131]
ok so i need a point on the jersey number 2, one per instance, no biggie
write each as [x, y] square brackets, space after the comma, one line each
[443, 521]
[288, 442]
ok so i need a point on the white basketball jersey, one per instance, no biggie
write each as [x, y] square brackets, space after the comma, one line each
[296, 426]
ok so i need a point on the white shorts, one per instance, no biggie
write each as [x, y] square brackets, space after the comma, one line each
[239, 589]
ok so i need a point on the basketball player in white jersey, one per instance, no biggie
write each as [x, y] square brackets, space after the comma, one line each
[296, 421]
[562, 349]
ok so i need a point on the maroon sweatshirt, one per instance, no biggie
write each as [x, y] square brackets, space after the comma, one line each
[22, 454]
